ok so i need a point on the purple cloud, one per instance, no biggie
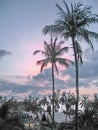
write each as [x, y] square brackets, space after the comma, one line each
[4, 53]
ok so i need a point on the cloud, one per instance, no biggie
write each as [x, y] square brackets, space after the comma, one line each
[4, 53]
[10, 89]
[45, 75]
[88, 72]
[41, 84]
[46, 79]
[89, 67]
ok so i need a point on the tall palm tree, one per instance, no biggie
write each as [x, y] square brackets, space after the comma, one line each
[52, 53]
[73, 23]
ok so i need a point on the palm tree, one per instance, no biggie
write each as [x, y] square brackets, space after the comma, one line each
[84, 102]
[52, 53]
[73, 23]
[67, 99]
[95, 102]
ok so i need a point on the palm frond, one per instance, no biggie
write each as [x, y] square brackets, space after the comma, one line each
[59, 46]
[39, 51]
[88, 36]
[55, 41]
[77, 6]
[72, 9]
[48, 29]
[35, 52]
[65, 62]
[40, 62]
[56, 68]
[78, 47]
[93, 35]
[67, 8]
[85, 34]
[80, 59]
[66, 35]
[62, 51]
[92, 19]
[42, 67]
[45, 44]
[51, 41]
[63, 25]
[44, 64]
[78, 51]
[52, 29]
[61, 43]
[61, 11]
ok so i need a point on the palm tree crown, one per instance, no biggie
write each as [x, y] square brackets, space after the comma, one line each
[52, 53]
[74, 22]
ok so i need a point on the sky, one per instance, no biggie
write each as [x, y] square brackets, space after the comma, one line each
[21, 24]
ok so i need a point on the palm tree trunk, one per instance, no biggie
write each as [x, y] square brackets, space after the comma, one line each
[77, 84]
[53, 93]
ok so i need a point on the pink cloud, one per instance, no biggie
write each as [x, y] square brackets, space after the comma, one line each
[89, 91]
[65, 78]
[45, 92]
[23, 95]
[82, 90]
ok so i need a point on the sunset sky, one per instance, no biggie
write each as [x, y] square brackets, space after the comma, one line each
[21, 24]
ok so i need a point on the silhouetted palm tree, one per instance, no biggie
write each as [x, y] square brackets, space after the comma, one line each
[73, 22]
[52, 53]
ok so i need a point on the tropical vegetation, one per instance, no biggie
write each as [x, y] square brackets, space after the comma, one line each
[17, 119]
